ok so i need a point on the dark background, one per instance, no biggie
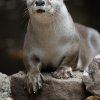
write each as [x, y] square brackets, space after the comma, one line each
[13, 23]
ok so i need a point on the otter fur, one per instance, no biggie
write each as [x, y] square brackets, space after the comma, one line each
[55, 43]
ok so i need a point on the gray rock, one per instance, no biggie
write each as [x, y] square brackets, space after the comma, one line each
[92, 78]
[53, 89]
[4, 86]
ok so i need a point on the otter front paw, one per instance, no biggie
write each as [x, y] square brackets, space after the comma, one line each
[63, 72]
[33, 82]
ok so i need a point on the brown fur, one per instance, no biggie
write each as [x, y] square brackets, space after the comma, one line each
[54, 42]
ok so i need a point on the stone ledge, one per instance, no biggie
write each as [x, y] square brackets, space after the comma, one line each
[54, 89]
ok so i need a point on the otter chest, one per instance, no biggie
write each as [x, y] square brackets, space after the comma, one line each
[51, 43]
[52, 52]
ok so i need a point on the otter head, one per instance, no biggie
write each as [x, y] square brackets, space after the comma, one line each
[44, 10]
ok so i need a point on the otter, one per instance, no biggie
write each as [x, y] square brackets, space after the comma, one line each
[55, 43]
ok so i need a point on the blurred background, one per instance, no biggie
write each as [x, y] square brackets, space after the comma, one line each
[13, 23]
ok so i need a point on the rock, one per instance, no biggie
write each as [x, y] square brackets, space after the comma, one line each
[53, 89]
[17, 87]
[92, 78]
[4, 86]
[92, 98]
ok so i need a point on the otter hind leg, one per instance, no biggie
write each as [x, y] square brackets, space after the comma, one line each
[63, 72]
[66, 67]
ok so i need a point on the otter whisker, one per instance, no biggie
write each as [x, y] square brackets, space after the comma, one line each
[26, 12]
[25, 15]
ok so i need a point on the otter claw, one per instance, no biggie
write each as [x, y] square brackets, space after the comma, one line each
[39, 87]
[63, 73]
[34, 92]
[29, 91]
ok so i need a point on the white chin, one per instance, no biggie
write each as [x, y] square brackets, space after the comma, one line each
[43, 18]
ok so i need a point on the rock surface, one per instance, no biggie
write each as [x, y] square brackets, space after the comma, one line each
[4, 86]
[92, 98]
[53, 89]
[92, 78]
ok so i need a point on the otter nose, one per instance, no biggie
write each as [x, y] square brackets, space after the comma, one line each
[40, 3]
